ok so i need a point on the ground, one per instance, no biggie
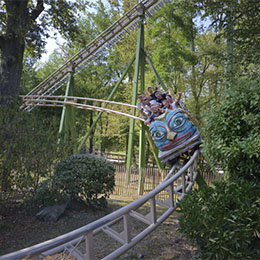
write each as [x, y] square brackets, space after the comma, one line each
[21, 230]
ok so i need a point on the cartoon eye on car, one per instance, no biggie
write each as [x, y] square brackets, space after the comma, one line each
[174, 134]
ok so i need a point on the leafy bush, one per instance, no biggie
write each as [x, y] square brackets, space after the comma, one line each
[231, 134]
[223, 220]
[28, 152]
[84, 177]
[45, 195]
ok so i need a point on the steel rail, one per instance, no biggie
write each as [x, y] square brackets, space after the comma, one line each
[60, 101]
[106, 39]
[70, 241]
[39, 98]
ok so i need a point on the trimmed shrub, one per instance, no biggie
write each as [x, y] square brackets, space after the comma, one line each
[84, 177]
[46, 195]
[223, 220]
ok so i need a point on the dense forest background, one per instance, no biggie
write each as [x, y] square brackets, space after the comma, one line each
[208, 50]
[196, 46]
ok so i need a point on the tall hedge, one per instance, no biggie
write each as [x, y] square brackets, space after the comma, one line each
[232, 131]
[28, 150]
[223, 220]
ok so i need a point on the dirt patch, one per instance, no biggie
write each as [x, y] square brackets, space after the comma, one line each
[164, 243]
[19, 231]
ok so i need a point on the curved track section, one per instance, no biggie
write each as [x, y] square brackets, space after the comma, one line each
[99, 105]
[80, 244]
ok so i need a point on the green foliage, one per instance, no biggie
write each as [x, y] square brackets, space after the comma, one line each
[45, 195]
[28, 151]
[60, 15]
[231, 134]
[223, 220]
[187, 60]
[244, 16]
[84, 177]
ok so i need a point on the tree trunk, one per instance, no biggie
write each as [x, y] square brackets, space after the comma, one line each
[194, 86]
[11, 69]
[12, 45]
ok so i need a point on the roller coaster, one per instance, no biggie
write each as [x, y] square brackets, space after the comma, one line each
[80, 242]
[174, 135]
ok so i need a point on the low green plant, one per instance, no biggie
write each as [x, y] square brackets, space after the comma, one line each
[223, 220]
[84, 177]
[45, 195]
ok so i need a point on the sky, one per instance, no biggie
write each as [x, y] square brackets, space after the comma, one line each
[52, 43]
[50, 47]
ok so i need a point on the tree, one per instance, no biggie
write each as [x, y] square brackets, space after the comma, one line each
[244, 16]
[25, 25]
[28, 151]
[222, 220]
[188, 59]
[232, 137]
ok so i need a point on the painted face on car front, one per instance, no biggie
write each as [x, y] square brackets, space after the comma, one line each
[173, 131]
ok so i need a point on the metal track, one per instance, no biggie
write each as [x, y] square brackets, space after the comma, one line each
[100, 105]
[108, 38]
[79, 243]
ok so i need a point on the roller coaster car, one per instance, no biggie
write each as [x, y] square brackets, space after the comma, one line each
[174, 135]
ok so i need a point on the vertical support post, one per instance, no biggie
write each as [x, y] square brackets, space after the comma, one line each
[67, 122]
[154, 150]
[153, 210]
[171, 195]
[70, 120]
[134, 97]
[127, 228]
[183, 182]
[156, 73]
[63, 113]
[89, 246]
[141, 166]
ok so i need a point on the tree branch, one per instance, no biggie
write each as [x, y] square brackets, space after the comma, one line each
[37, 11]
[203, 81]
[1, 41]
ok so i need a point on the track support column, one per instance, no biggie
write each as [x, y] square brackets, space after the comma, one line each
[134, 96]
[141, 164]
[67, 122]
